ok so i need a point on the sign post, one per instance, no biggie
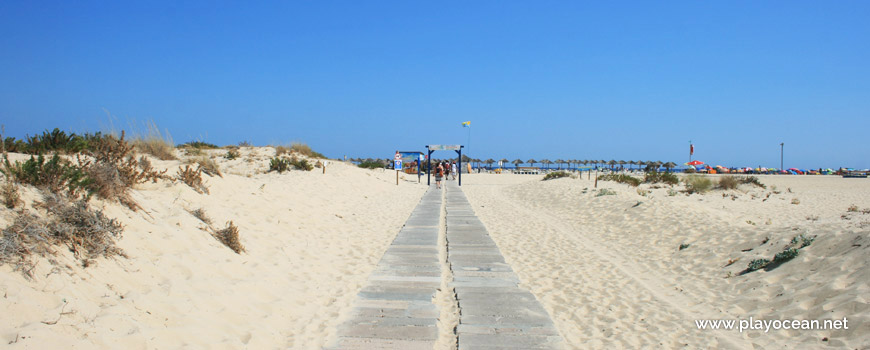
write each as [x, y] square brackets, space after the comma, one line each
[397, 164]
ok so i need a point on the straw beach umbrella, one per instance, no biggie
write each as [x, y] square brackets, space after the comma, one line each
[517, 163]
[531, 161]
[546, 162]
[504, 162]
[670, 165]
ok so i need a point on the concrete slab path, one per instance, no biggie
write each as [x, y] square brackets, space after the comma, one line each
[494, 312]
[396, 309]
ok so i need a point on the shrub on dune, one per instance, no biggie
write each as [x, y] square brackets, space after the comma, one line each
[305, 150]
[279, 164]
[88, 233]
[727, 183]
[657, 177]
[697, 184]
[208, 165]
[193, 178]
[301, 164]
[229, 236]
[555, 175]
[621, 178]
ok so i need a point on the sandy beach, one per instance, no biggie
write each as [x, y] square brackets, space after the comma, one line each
[607, 268]
[311, 240]
[610, 272]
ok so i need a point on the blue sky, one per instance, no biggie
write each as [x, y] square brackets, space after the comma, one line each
[537, 79]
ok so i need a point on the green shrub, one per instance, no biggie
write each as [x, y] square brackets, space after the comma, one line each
[621, 178]
[555, 175]
[52, 141]
[10, 144]
[785, 255]
[370, 165]
[232, 154]
[279, 164]
[727, 183]
[756, 264]
[301, 164]
[198, 145]
[802, 241]
[697, 184]
[657, 177]
[54, 175]
[59, 141]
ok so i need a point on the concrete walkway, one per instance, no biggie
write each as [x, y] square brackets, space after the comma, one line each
[494, 312]
[396, 309]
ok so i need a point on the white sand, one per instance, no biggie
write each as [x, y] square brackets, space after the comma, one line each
[609, 271]
[311, 238]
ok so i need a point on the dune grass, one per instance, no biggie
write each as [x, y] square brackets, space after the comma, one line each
[727, 183]
[152, 141]
[621, 178]
[697, 184]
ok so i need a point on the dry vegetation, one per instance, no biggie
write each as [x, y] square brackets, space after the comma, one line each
[208, 165]
[697, 184]
[299, 149]
[88, 233]
[728, 183]
[229, 235]
[192, 177]
[9, 192]
[155, 143]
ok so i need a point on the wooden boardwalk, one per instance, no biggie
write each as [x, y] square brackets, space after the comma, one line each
[396, 308]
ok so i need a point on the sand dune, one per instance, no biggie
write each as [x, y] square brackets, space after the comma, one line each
[311, 239]
[608, 269]
[610, 272]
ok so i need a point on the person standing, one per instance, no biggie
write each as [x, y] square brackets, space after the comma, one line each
[453, 170]
[439, 172]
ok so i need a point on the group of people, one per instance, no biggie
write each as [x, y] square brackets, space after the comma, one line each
[445, 169]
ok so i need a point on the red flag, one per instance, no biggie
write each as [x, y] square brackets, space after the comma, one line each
[691, 149]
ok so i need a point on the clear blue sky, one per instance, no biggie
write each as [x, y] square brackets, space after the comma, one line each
[572, 79]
